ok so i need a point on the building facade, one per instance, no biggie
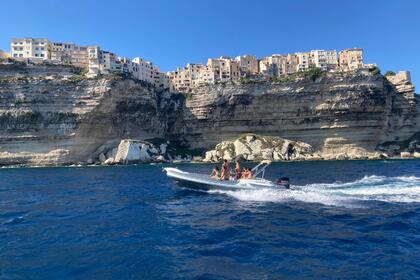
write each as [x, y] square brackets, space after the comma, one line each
[351, 59]
[30, 48]
[326, 60]
[248, 65]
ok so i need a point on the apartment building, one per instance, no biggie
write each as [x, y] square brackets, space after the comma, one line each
[326, 60]
[304, 61]
[144, 70]
[94, 55]
[350, 59]
[224, 69]
[109, 62]
[30, 48]
[69, 53]
[278, 64]
[248, 65]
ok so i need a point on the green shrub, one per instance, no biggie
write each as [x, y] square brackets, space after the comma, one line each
[375, 70]
[390, 73]
[314, 73]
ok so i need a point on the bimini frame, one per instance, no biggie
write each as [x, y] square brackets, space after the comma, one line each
[260, 169]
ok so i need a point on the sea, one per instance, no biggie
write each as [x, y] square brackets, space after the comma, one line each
[339, 220]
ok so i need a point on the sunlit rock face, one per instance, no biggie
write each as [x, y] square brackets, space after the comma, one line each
[349, 112]
[52, 110]
[53, 115]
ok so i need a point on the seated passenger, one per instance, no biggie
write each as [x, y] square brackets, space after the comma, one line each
[247, 173]
[215, 172]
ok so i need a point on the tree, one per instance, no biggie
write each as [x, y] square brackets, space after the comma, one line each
[390, 73]
[313, 73]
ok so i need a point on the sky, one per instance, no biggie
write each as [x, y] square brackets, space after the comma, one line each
[173, 33]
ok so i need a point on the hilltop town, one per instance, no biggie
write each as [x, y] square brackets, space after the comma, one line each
[96, 61]
[67, 104]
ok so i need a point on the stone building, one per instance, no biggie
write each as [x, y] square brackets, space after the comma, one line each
[248, 64]
[350, 59]
[224, 69]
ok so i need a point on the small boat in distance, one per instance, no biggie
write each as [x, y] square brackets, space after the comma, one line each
[205, 182]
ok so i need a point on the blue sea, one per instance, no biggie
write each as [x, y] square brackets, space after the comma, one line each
[340, 220]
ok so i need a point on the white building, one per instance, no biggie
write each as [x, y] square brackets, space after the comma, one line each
[94, 54]
[30, 48]
[326, 60]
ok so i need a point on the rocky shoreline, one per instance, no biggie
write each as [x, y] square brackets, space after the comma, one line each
[51, 115]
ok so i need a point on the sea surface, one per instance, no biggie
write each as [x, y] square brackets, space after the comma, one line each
[340, 220]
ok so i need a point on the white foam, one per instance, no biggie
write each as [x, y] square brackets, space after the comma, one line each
[404, 189]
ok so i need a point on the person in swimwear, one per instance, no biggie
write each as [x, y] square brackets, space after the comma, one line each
[215, 172]
[225, 170]
[238, 171]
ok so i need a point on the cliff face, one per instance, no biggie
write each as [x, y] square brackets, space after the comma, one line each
[336, 113]
[53, 115]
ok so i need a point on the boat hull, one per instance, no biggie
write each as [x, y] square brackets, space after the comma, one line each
[205, 182]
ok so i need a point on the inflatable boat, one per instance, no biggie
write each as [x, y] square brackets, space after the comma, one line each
[205, 182]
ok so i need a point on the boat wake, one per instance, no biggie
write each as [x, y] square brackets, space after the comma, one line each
[404, 189]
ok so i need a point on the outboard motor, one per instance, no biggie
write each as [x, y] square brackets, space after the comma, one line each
[283, 182]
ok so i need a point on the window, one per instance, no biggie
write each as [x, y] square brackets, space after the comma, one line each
[42, 55]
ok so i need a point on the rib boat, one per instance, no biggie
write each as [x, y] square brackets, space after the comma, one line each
[205, 182]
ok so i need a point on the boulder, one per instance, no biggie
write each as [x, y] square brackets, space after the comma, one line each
[102, 157]
[160, 158]
[416, 155]
[162, 148]
[241, 148]
[109, 161]
[130, 151]
[405, 155]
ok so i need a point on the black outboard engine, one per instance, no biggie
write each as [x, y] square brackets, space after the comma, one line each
[283, 182]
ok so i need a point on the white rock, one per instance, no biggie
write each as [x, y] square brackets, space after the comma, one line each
[160, 158]
[109, 161]
[249, 138]
[416, 155]
[241, 148]
[162, 148]
[405, 154]
[133, 151]
[267, 154]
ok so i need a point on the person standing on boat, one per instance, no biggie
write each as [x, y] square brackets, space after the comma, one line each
[238, 171]
[225, 170]
[290, 151]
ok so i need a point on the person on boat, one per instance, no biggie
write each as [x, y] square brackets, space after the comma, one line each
[290, 151]
[225, 170]
[247, 173]
[215, 172]
[238, 170]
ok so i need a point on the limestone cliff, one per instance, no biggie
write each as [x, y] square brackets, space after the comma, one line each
[348, 112]
[54, 115]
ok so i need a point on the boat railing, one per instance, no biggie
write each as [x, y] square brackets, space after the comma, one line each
[260, 169]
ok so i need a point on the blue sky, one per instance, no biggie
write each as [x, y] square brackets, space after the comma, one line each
[173, 33]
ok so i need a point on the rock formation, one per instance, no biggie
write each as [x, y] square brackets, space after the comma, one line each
[339, 113]
[53, 115]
